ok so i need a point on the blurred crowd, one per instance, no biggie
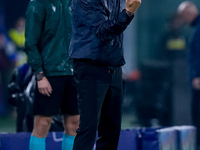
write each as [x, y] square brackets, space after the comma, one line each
[11, 55]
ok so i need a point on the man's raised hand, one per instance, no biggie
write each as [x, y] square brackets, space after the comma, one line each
[132, 5]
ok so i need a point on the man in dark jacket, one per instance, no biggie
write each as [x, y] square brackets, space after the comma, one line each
[190, 15]
[48, 34]
[97, 50]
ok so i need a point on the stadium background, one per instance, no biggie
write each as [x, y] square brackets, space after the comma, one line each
[153, 85]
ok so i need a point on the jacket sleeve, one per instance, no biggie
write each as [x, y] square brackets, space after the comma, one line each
[93, 14]
[194, 55]
[34, 22]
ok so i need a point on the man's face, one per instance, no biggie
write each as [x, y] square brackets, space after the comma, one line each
[20, 25]
[186, 18]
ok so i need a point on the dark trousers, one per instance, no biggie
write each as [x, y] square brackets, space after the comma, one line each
[99, 102]
[196, 112]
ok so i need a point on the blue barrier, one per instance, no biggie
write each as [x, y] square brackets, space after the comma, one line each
[186, 136]
[171, 138]
[129, 140]
[20, 141]
[158, 139]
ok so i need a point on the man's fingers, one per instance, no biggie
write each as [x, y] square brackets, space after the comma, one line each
[45, 91]
[41, 90]
[133, 2]
[132, 5]
[49, 91]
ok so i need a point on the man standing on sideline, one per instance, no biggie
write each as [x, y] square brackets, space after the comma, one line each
[190, 15]
[97, 50]
[48, 34]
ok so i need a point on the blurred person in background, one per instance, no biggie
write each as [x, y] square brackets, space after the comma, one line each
[173, 40]
[7, 46]
[48, 34]
[189, 14]
[7, 60]
[17, 35]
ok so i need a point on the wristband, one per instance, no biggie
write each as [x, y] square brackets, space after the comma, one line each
[39, 76]
[130, 14]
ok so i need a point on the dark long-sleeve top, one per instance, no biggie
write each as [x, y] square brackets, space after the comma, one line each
[194, 49]
[97, 31]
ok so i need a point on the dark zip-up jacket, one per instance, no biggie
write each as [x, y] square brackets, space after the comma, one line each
[97, 31]
[48, 34]
[194, 49]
